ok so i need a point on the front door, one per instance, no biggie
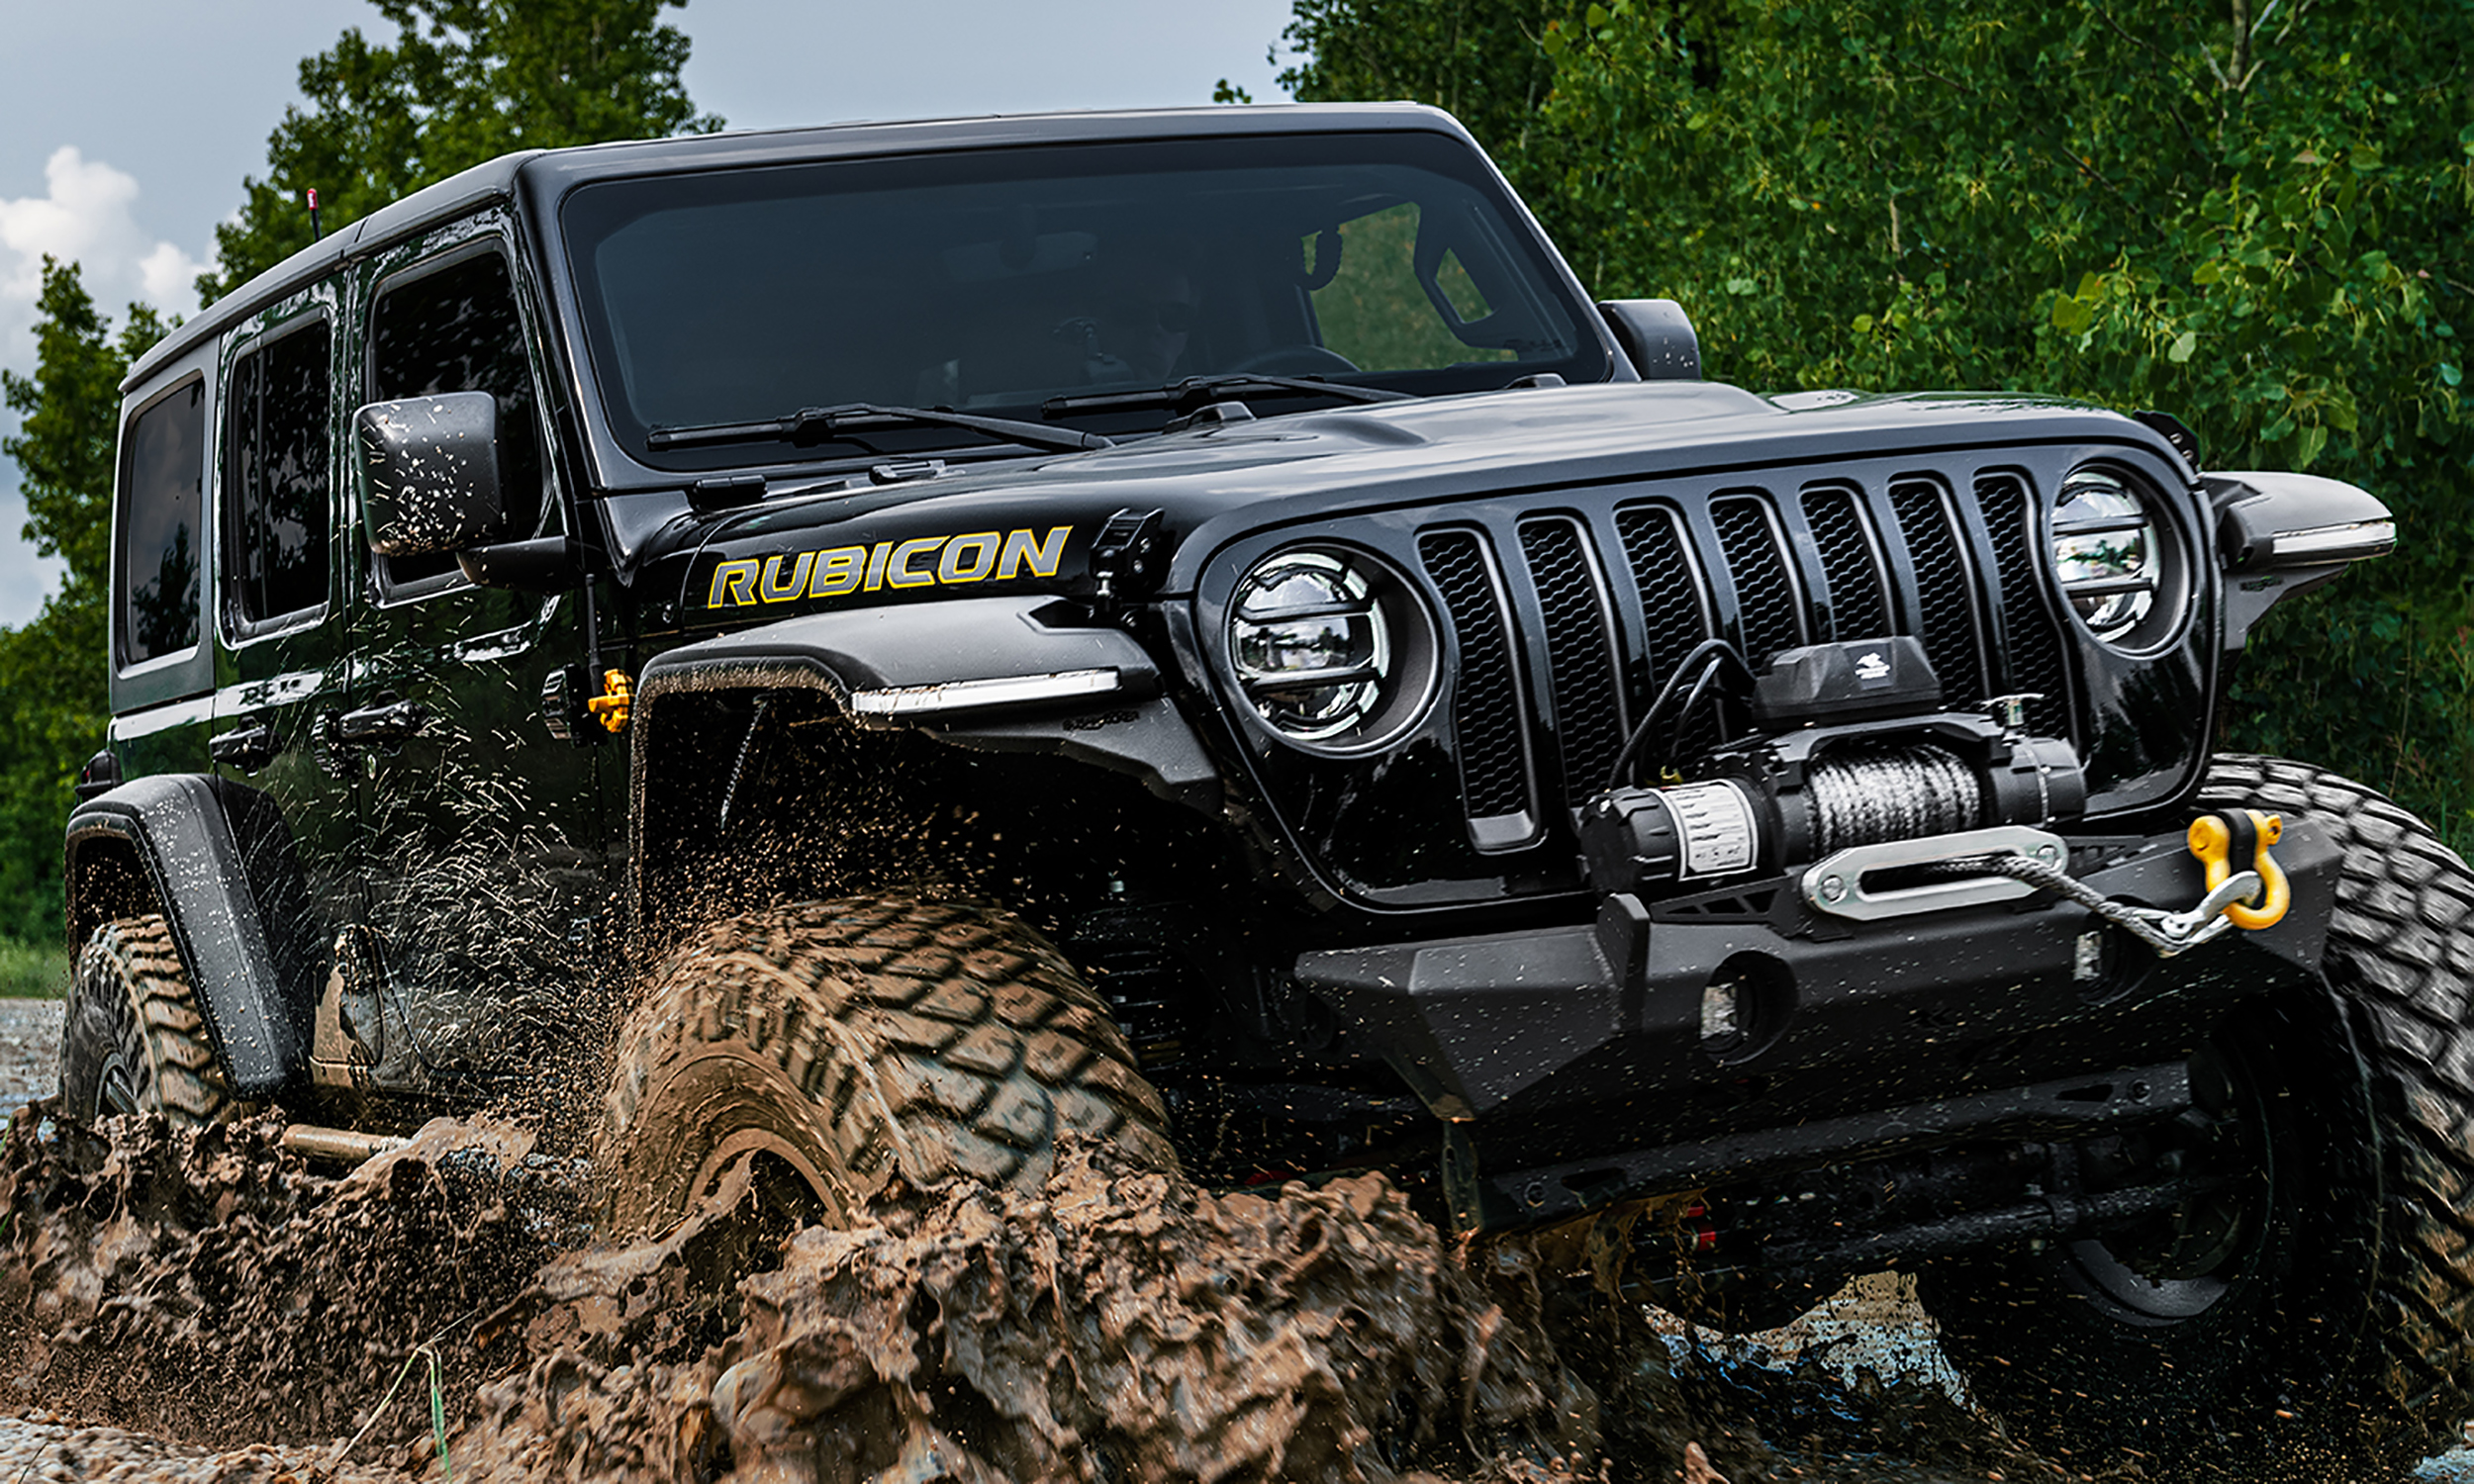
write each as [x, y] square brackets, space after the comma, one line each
[483, 857]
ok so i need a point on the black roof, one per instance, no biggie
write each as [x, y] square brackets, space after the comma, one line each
[552, 172]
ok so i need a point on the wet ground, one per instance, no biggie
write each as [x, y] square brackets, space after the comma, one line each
[30, 1053]
[208, 1307]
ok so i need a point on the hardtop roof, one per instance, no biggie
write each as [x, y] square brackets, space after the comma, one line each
[555, 170]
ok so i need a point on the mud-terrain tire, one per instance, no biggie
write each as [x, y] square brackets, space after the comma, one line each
[862, 1044]
[132, 1039]
[2342, 1341]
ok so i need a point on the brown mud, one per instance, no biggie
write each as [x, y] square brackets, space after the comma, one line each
[211, 1287]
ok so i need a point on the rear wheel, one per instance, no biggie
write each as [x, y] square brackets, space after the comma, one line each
[857, 1047]
[2316, 1308]
[132, 1040]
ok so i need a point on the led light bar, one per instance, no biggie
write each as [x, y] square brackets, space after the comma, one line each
[973, 694]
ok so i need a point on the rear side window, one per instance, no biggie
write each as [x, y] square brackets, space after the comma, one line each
[457, 329]
[276, 476]
[163, 493]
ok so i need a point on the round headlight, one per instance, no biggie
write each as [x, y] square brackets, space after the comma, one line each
[2113, 557]
[1316, 637]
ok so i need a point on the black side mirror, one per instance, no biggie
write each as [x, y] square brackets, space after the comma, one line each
[433, 472]
[1657, 337]
[2274, 521]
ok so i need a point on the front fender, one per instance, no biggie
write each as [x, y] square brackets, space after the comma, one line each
[1018, 674]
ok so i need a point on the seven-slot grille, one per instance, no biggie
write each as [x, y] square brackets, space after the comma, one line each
[1598, 611]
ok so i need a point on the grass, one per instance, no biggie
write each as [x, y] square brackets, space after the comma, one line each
[33, 970]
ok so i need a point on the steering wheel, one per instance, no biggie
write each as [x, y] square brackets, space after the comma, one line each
[1291, 360]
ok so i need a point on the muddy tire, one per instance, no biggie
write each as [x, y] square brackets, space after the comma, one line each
[132, 1040]
[2331, 1331]
[862, 1046]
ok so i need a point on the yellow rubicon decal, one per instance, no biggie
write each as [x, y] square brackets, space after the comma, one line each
[921, 562]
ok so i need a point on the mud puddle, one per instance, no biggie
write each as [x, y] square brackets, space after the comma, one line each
[212, 1289]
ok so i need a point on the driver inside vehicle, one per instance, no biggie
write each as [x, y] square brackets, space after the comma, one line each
[1137, 317]
[1147, 315]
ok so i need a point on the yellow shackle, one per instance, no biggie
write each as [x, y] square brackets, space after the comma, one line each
[2213, 840]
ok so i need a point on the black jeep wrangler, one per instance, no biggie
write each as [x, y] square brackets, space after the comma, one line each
[1189, 629]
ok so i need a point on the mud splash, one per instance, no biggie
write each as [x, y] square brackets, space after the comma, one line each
[1117, 1325]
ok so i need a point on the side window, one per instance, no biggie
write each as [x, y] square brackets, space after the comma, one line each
[276, 476]
[456, 330]
[163, 497]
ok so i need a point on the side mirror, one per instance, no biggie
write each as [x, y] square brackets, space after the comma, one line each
[433, 472]
[2282, 522]
[1657, 337]
[2284, 535]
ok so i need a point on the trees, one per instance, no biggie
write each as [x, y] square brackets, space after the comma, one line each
[51, 669]
[2255, 216]
[464, 81]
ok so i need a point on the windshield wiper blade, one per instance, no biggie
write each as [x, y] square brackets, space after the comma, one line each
[852, 421]
[1194, 391]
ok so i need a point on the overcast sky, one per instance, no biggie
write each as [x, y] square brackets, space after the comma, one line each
[125, 125]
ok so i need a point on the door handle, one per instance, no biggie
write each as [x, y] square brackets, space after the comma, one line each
[248, 748]
[388, 720]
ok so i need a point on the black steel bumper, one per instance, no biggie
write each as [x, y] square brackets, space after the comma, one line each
[1571, 1068]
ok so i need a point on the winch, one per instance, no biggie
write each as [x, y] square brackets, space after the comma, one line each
[1896, 807]
[1888, 765]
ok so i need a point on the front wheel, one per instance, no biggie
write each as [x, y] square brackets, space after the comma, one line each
[844, 1047]
[2316, 1307]
[132, 1040]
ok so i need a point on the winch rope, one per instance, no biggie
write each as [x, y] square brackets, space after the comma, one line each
[2136, 921]
[1906, 793]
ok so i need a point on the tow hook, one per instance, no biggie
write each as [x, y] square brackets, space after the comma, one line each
[2230, 835]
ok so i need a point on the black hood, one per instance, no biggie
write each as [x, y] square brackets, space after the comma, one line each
[1028, 525]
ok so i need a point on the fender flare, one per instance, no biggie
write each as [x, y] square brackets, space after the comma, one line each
[219, 861]
[1131, 726]
[893, 659]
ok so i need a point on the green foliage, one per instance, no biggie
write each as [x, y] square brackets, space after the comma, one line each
[465, 81]
[51, 669]
[31, 970]
[1478, 58]
[2258, 220]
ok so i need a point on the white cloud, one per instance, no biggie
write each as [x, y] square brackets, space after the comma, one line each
[168, 275]
[87, 215]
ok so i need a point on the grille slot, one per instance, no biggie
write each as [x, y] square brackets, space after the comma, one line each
[1671, 614]
[1860, 606]
[1582, 658]
[1946, 609]
[1486, 699]
[2031, 645]
[1768, 609]
[1955, 560]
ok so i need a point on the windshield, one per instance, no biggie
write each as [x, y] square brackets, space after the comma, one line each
[998, 281]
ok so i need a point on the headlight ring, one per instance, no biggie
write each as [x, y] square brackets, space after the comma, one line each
[2118, 559]
[1330, 648]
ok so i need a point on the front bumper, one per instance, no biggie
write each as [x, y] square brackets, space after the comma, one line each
[1581, 1066]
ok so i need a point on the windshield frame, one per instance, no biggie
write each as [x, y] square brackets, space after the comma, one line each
[620, 464]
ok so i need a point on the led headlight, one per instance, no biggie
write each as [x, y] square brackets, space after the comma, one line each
[2115, 561]
[1329, 647]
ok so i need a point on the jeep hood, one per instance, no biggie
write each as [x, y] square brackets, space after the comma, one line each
[1029, 524]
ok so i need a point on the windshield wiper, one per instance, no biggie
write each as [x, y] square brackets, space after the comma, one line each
[1194, 391]
[852, 421]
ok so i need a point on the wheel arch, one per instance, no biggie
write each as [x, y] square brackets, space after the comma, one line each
[909, 670]
[217, 858]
